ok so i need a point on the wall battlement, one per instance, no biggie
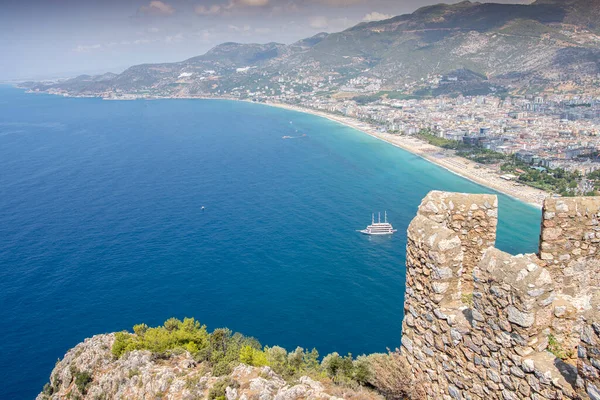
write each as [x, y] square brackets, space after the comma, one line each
[481, 323]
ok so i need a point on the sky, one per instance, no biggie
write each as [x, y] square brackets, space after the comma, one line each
[42, 39]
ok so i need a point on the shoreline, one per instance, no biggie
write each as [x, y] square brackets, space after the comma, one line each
[446, 159]
[443, 158]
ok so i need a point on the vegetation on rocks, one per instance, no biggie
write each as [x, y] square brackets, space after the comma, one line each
[223, 350]
[556, 348]
[392, 376]
[181, 359]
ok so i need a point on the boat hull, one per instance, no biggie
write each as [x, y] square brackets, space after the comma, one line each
[366, 232]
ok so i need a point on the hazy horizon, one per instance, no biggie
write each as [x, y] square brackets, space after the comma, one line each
[56, 39]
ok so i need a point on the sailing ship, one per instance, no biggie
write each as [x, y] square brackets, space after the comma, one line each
[379, 228]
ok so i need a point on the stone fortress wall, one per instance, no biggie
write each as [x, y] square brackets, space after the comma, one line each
[480, 323]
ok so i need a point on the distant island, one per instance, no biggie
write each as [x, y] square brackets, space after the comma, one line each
[505, 95]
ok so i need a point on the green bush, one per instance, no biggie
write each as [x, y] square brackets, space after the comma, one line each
[362, 370]
[252, 356]
[217, 392]
[222, 350]
[82, 380]
[293, 364]
[48, 390]
[133, 372]
[175, 334]
[277, 359]
[340, 369]
[221, 368]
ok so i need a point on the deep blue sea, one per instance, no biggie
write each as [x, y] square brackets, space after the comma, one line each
[101, 226]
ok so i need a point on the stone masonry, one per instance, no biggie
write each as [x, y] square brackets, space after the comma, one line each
[480, 323]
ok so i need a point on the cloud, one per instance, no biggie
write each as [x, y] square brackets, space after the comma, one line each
[87, 48]
[331, 24]
[338, 3]
[205, 35]
[263, 31]
[157, 7]
[245, 28]
[287, 8]
[174, 38]
[376, 16]
[233, 5]
[215, 9]
[251, 3]
[318, 22]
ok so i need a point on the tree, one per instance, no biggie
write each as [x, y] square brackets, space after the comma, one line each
[296, 359]
[252, 356]
[140, 329]
[172, 324]
[277, 358]
[362, 370]
[311, 360]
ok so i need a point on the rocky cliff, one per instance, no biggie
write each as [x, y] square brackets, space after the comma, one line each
[90, 371]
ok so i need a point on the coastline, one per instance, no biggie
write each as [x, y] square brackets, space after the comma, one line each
[446, 159]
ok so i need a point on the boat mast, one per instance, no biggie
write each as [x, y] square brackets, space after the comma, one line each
[385, 217]
[379, 220]
[372, 218]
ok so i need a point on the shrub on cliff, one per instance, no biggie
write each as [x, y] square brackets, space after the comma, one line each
[391, 375]
[294, 364]
[175, 334]
[252, 356]
[218, 391]
[82, 380]
[346, 370]
[222, 350]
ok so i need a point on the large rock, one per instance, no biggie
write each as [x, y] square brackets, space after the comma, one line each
[140, 375]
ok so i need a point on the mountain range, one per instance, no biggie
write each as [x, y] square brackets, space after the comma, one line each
[465, 47]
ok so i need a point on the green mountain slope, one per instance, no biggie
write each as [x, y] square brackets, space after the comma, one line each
[544, 44]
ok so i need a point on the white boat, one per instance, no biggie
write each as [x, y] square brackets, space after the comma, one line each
[379, 228]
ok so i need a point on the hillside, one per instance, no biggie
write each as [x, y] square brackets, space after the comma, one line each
[549, 44]
[181, 360]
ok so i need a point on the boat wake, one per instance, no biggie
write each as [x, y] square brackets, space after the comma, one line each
[294, 137]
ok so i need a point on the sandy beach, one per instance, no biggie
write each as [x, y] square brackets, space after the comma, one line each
[444, 158]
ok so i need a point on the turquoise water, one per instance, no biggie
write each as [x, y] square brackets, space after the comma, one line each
[101, 226]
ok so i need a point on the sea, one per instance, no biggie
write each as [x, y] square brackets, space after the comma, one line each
[114, 213]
